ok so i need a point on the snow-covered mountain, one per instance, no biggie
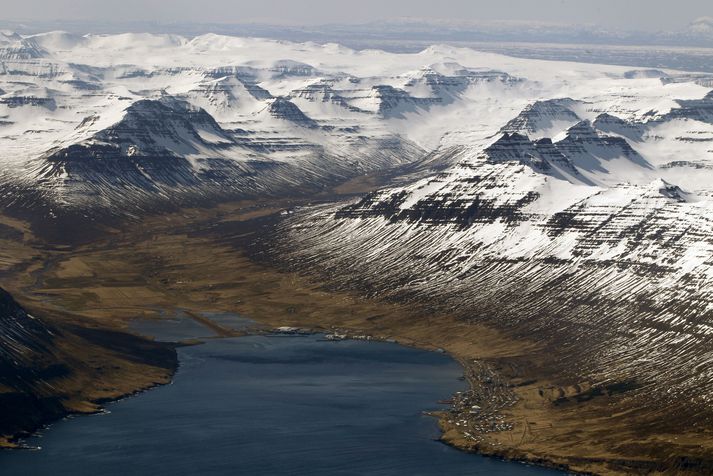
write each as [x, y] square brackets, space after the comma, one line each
[528, 171]
[582, 216]
[134, 121]
[126, 122]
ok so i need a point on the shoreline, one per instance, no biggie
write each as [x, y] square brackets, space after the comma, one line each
[226, 333]
[16, 442]
[442, 416]
[130, 273]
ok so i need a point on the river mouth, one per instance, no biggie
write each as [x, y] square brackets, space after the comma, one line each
[271, 404]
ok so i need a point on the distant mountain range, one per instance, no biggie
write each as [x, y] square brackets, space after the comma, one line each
[124, 122]
[698, 33]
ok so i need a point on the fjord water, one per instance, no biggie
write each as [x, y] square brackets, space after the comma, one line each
[269, 405]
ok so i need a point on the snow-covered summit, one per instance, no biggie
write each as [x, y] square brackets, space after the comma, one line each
[218, 104]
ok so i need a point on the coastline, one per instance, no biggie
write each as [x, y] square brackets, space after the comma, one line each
[87, 388]
[133, 272]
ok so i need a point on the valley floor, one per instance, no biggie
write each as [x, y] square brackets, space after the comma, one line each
[211, 260]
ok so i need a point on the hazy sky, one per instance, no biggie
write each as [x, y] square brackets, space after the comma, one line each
[621, 14]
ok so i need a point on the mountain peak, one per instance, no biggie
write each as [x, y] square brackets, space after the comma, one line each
[15, 47]
[283, 108]
[163, 127]
[9, 36]
[583, 130]
[671, 191]
[544, 118]
[610, 124]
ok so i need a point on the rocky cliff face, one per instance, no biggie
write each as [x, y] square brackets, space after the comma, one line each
[22, 336]
[26, 367]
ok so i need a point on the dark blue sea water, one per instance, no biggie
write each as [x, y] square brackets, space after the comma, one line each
[271, 405]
